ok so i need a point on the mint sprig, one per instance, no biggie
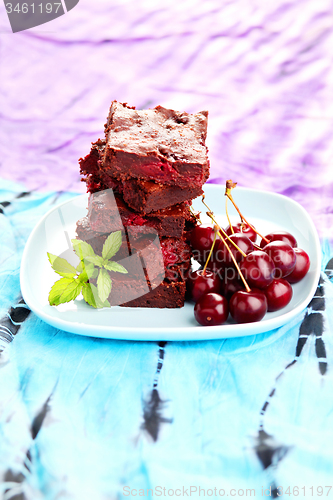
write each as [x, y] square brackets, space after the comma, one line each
[61, 266]
[76, 280]
[104, 284]
[111, 245]
[64, 290]
[90, 295]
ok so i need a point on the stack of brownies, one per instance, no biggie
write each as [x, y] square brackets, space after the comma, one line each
[141, 179]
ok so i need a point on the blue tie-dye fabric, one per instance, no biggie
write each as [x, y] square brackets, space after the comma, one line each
[85, 418]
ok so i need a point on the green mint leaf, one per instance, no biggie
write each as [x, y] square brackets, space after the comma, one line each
[115, 266]
[57, 289]
[64, 290]
[88, 272]
[71, 292]
[82, 248]
[61, 266]
[111, 245]
[94, 259]
[90, 295]
[104, 284]
[79, 267]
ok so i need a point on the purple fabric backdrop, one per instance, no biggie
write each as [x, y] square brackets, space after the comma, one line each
[262, 69]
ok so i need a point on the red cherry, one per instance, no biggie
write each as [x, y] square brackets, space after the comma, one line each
[200, 283]
[280, 236]
[211, 309]
[243, 242]
[278, 294]
[243, 229]
[247, 307]
[219, 259]
[301, 268]
[258, 269]
[221, 256]
[231, 286]
[216, 268]
[283, 256]
[202, 238]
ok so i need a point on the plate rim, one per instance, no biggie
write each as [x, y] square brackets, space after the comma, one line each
[183, 332]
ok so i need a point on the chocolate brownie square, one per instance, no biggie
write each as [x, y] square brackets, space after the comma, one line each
[143, 196]
[166, 295]
[161, 258]
[158, 144]
[108, 212]
[149, 196]
[157, 271]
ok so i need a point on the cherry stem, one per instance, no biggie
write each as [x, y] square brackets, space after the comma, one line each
[195, 215]
[211, 215]
[227, 193]
[211, 251]
[226, 211]
[248, 289]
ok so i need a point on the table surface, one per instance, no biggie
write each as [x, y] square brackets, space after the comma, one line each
[86, 418]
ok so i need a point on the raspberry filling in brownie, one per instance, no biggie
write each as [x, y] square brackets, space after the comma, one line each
[143, 196]
[108, 212]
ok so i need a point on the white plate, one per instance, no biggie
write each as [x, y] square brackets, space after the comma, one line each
[266, 211]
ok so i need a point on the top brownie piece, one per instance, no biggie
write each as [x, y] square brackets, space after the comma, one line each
[156, 144]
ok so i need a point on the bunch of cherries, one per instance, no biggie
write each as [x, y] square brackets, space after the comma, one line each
[239, 276]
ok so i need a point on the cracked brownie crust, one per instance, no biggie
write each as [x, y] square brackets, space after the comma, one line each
[156, 144]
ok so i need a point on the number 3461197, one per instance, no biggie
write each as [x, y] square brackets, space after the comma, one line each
[38, 8]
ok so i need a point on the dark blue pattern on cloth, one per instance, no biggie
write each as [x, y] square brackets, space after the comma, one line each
[314, 323]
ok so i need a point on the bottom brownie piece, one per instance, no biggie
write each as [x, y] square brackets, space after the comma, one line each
[165, 295]
[157, 269]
